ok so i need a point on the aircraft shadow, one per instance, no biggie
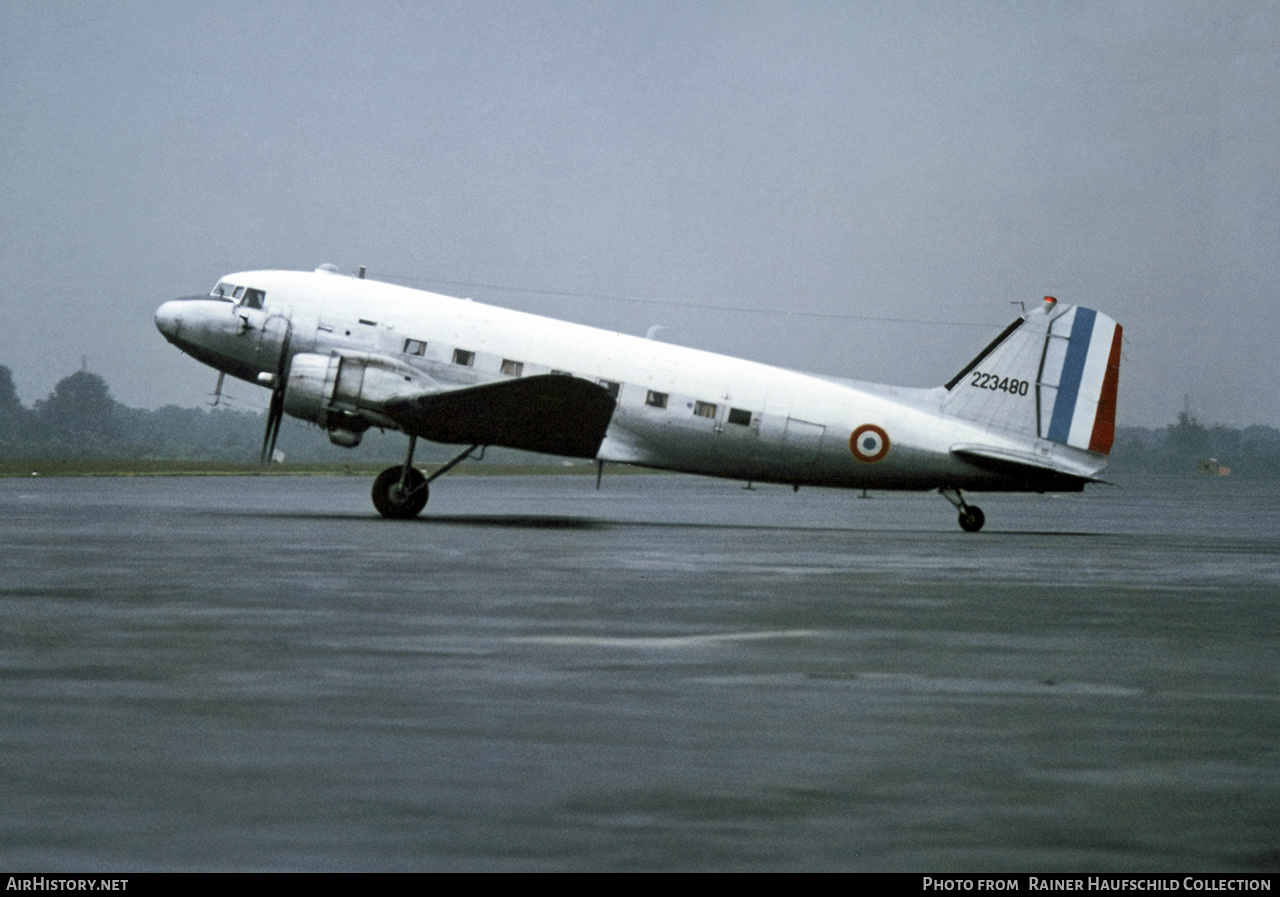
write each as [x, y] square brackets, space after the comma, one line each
[552, 522]
[514, 521]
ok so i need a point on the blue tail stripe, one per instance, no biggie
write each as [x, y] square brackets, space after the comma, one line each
[1072, 371]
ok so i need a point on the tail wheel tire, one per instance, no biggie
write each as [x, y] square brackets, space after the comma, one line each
[400, 503]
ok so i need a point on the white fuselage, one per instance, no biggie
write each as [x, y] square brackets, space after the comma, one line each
[677, 408]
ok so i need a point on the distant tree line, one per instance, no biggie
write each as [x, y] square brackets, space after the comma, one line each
[1189, 447]
[80, 419]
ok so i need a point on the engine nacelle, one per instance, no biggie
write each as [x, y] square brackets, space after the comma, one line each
[345, 394]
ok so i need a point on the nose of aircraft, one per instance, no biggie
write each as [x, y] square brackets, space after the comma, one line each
[168, 320]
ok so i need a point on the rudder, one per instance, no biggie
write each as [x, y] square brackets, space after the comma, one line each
[1079, 380]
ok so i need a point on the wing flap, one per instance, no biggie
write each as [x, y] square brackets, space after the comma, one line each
[551, 413]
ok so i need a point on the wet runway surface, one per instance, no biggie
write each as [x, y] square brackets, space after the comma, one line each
[670, 673]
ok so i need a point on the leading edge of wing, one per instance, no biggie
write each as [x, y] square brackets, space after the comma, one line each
[550, 413]
[1024, 466]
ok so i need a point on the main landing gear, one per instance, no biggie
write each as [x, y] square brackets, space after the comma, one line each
[400, 493]
[971, 516]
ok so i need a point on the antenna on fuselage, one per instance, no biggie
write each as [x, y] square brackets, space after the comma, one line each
[360, 273]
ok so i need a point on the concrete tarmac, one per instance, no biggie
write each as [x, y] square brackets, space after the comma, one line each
[667, 674]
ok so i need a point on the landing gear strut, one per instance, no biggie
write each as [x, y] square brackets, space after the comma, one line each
[400, 493]
[971, 516]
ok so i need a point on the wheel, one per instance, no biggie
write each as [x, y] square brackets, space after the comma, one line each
[971, 519]
[395, 503]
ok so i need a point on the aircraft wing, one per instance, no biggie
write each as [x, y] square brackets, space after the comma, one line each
[551, 413]
[1026, 467]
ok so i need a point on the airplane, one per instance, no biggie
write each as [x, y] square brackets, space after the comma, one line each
[1033, 412]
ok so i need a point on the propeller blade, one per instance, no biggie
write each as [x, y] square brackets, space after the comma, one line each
[275, 411]
[275, 414]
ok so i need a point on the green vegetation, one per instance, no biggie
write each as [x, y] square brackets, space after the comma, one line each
[139, 467]
[1184, 446]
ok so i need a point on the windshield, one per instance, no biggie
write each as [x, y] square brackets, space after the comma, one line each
[247, 297]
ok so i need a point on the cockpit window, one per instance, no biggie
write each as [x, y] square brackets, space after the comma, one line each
[247, 297]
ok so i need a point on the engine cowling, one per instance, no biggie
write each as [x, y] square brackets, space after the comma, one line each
[345, 394]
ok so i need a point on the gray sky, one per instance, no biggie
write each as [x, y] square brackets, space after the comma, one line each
[932, 162]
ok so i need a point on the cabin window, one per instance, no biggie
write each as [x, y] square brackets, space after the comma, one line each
[463, 357]
[740, 416]
[237, 292]
[415, 347]
[656, 399]
[704, 409]
[512, 368]
[223, 290]
[254, 298]
[611, 387]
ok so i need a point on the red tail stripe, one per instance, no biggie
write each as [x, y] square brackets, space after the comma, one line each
[1104, 424]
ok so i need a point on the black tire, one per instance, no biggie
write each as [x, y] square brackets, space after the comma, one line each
[971, 519]
[394, 503]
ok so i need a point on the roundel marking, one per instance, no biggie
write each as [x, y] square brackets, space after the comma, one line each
[869, 443]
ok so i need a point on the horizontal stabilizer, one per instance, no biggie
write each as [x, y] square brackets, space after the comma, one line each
[553, 414]
[1025, 466]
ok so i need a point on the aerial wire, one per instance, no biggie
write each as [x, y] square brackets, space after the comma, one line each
[678, 303]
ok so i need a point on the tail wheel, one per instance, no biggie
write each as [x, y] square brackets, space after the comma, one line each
[396, 502]
[971, 519]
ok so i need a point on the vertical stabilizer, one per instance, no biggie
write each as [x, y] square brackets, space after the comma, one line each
[1052, 374]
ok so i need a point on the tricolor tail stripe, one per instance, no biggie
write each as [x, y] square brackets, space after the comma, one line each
[1085, 406]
